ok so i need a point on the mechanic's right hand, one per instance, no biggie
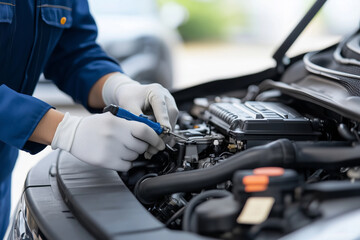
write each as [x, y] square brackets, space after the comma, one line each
[105, 140]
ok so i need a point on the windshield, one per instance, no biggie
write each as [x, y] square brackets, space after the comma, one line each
[122, 7]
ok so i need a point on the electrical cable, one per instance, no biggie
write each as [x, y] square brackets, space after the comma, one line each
[176, 215]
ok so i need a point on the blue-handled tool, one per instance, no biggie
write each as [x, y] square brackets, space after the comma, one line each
[125, 114]
[122, 113]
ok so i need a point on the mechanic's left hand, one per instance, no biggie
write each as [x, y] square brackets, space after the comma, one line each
[139, 99]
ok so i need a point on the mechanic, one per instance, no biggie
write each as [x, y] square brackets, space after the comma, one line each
[57, 37]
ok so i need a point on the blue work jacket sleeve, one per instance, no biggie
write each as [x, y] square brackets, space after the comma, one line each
[19, 116]
[78, 61]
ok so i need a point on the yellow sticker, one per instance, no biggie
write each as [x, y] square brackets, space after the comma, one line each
[256, 210]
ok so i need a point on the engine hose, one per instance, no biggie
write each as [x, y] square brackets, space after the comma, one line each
[280, 153]
[277, 153]
[326, 155]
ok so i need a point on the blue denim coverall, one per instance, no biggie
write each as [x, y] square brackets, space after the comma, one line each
[56, 37]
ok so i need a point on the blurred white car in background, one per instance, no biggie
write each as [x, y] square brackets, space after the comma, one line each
[134, 33]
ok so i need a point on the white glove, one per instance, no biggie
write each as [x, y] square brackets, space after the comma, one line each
[139, 99]
[105, 140]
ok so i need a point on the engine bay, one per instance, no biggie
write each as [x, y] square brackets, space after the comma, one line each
[271, 155]
[264, 156]
[251, 169]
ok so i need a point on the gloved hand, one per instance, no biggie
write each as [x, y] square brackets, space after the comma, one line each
[105, 140]
[139, 99]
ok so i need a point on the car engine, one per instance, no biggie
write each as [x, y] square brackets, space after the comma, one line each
[251, 169]
[271, 155]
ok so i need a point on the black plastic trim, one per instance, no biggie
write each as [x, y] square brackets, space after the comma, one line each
[105, 206]
[43, 200]
[347, 106]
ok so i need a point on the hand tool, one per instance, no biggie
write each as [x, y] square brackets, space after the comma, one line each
[125, 114]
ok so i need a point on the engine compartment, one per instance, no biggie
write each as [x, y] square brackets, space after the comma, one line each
[263, 156]
[252, 169]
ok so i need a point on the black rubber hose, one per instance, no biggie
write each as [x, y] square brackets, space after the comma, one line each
[277, 153]
[345, 132]
[326, 155]
[282, 153]
[176, 215]
[188, 223]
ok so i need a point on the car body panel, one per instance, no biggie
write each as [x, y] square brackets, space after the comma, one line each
[66, 198]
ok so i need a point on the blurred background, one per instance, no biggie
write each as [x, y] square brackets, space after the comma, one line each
[180, 43]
